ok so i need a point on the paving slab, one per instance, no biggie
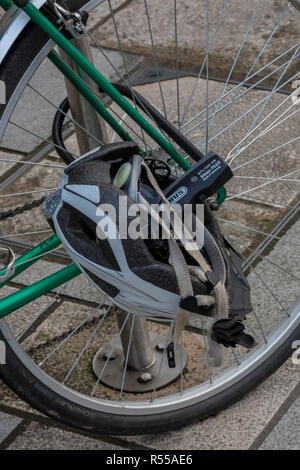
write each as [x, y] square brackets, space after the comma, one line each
[7, 424]
[274, 290]
[5, 166]
[102, 12]
[42, 437]
[286, 434]
[65, 316]
[237, 427]
[134, 31]
[80, 288]
[10, 400]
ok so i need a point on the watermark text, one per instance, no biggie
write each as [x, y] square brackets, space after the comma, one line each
[2, 353]
[296, 353]
[2, 92]
[295, 96]
[184, 223]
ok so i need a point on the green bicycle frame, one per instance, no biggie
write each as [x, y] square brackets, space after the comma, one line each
[46, 25]
[29, 293]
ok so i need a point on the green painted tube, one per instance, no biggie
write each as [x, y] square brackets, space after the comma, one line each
[222, 193]
[5, 4]
[38, 18]
[32, 256]
[28, 294]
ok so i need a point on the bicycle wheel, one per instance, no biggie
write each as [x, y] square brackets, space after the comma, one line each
[227, 86]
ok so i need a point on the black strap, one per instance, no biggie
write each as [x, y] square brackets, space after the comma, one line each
[230, 332]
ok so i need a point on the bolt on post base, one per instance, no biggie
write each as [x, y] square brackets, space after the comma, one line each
[145, 380]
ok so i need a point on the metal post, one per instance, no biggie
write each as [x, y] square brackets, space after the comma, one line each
[141, 353]
[82, 111]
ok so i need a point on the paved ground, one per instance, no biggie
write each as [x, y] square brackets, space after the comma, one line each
[268, 417]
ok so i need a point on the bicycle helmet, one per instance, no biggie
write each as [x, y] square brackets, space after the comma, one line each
[136, 274]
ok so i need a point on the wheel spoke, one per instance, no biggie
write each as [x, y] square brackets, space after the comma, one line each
[171, 329]
[114, 344]
[270, 127]
[21, 162]
[83, 322]
[49, 308]
[272, 93]
[128, 83]
[272, 180]
[126, 69]
[37, 232]
[44, 141]
[254, 64]
[70, 119]
[127, 356]
[266, 259]
[204, 63]
[155, 59]
[248, 89]
[234, 99]
[34, 191]
[95, 331]
[250, 229]
[207, 82]
[269, 152]
[37, 156]
[234, 63]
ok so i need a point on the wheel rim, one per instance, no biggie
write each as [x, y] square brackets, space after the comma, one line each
[177, 401]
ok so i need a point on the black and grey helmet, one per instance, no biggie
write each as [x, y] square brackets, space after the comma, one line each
[131, 272]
